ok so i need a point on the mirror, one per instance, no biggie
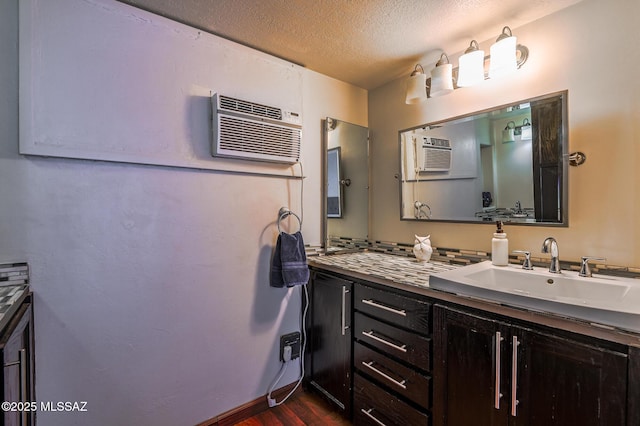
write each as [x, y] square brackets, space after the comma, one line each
[334, 187]
[346, 182]
[507, 163]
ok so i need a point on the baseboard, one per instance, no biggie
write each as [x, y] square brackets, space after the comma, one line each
[249, 409]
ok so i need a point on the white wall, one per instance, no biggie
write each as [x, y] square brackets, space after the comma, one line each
[589, 49]
[152, 299]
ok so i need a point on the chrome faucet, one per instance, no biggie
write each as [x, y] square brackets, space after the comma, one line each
[518, 207]
[551, 245]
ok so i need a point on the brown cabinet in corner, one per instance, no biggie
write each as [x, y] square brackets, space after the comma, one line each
[329, 333]
[492, 372]
[16, 343]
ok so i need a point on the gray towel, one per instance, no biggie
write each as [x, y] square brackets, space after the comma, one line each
[289, 264]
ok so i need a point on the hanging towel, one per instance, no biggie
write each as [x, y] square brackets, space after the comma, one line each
[289, 264]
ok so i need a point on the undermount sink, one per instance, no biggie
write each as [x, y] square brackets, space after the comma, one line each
[607, 300]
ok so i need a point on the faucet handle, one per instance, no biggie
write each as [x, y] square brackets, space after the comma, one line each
[527, 259]
[585, 270]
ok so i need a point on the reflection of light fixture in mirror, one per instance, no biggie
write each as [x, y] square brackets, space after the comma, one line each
[416, 86]
[508, 134]
[526, 132]
[442, 77]
[471, 66]
[503, 55]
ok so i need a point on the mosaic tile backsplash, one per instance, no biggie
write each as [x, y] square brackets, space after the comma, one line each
[399, 269]
[14, 273]
[463, 257]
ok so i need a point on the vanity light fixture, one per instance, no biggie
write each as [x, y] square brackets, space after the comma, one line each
[525, 130]
[506, 56]
[442, 77]
[503, 55]
[416, 92]
[471, 66]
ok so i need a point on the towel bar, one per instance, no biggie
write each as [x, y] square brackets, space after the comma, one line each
[283, 213]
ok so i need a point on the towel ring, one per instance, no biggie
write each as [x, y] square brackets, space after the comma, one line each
[283, 213]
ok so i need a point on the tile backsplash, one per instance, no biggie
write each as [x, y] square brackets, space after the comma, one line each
[464, 256]
[14, 273]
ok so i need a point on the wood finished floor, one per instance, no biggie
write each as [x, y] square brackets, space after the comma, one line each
[303, 408]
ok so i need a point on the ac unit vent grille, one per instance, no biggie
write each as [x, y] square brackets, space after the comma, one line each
[246, 107]
[436, 159]
[244, 138]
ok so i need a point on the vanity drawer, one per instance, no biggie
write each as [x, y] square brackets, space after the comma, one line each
[374, 406]
[403, 380]
[394, 308]
[401, 344]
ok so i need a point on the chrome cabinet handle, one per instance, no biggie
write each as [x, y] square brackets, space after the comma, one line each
[498, 395]
[514, 376]
[370, 334]
[386, 376]
[344, 310]
[371, 416]
[370, 302]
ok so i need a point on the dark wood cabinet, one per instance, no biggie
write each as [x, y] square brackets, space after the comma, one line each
[329, 322]
[494, 372]
[466, 365]
[392, 357]
[385, 355]
[547, 116]
[16, 343]
[376, 406]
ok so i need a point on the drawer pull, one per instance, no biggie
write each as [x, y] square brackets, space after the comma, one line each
[370, 334]
[370, 302]
[386, 376]
[371, 416]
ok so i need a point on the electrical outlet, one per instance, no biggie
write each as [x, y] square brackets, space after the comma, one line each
[292, 340]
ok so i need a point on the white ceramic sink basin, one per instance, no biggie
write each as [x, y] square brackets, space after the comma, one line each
[600, 299]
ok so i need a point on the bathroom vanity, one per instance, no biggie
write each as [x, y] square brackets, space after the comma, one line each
[16, 346]
[424, 356]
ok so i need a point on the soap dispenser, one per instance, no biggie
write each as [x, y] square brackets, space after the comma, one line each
[499, 247]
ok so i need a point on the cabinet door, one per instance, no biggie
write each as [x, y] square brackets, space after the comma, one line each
[488, 372]
[469, 353]
[330, 351]
[18, 366]
[563, 382]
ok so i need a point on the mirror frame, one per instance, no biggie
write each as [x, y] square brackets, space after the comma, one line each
[564, 161]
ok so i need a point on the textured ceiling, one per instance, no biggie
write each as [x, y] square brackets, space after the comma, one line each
[364, 42]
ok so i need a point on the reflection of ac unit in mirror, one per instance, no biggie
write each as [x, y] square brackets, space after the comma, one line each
[434, 154]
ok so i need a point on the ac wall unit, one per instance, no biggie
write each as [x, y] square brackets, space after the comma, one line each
[252, 131]
[434, 154]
